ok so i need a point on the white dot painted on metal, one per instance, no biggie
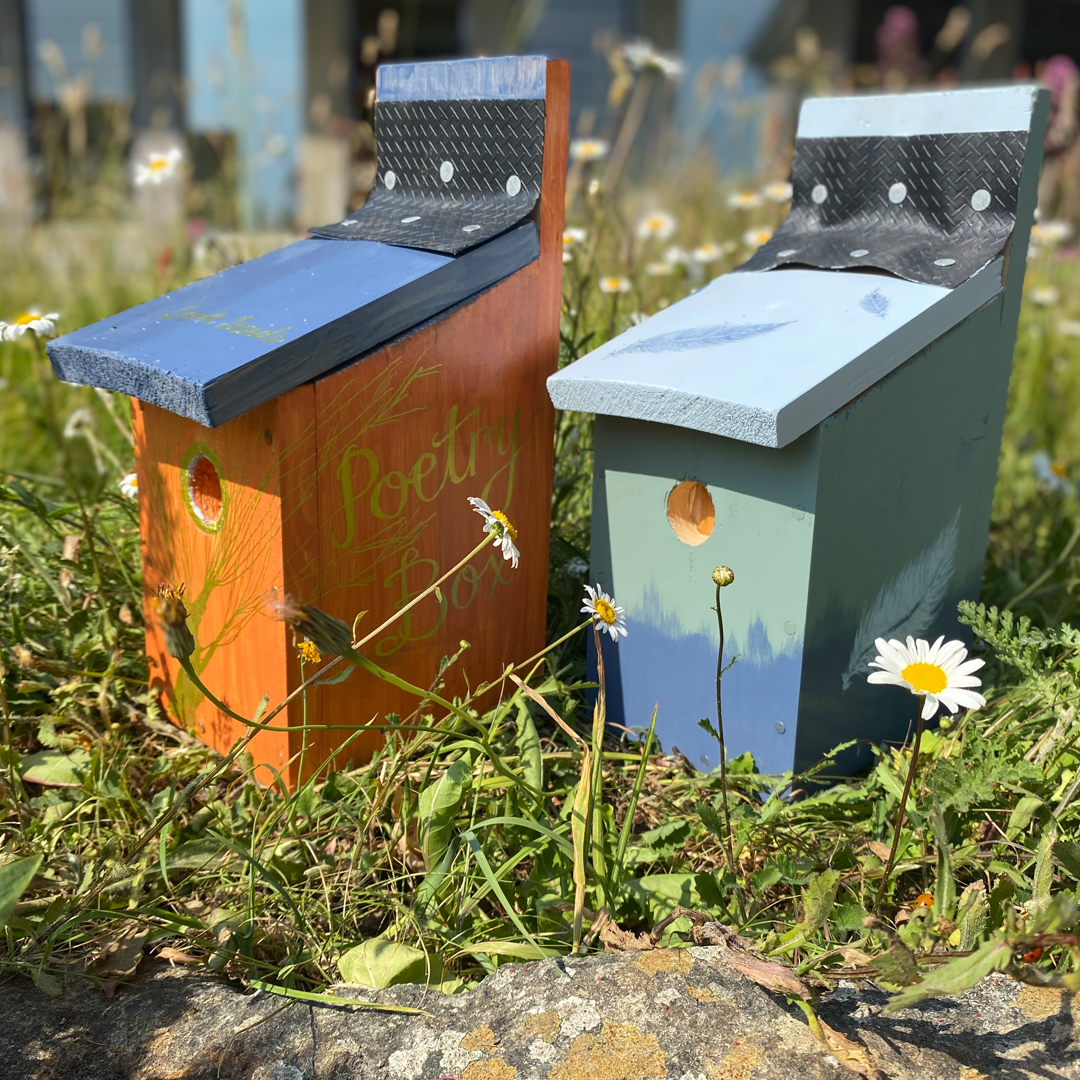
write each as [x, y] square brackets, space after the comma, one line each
[858, 253]
[980, 200]
[446, 172]
[469, 228]
[944, 262]
[779, 727]
[785, 253]
[513, 186]
[898, 193]
[819, 194]
[410, 220]
[790, 628]
[390, 180]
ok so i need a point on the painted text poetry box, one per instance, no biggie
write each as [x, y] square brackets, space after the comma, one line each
[315, 420]
[826, 421]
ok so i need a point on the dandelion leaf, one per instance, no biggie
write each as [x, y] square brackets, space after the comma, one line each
[956, 976]
[15, 878]
[378, 963]
[440, 802]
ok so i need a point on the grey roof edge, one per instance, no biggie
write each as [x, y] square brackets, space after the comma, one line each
[490, 77]
[751, 424]
[313, 354]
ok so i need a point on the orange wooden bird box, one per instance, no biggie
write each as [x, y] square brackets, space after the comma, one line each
[314, 421]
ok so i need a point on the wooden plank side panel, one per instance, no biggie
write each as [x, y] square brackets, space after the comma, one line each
[240, 651]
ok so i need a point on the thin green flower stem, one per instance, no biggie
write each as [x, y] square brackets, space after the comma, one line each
[729, 843]
[596, 819]
[1049, 571]
[900, 813]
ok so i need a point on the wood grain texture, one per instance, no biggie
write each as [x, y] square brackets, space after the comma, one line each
[350, 493]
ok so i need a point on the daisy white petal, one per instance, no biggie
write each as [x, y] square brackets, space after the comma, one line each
[606, 615]
[939, 673]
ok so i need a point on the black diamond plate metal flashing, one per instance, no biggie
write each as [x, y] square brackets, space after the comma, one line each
[451, 174]
[928, 208]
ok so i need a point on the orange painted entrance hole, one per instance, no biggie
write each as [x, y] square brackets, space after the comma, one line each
[204, 489]
[690, 512]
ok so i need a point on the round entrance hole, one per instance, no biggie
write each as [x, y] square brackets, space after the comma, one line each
[690, 512]
[204, 490]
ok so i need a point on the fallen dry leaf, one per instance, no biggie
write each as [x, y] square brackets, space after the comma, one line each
[71, 548]
[177, 956]
[616, 939]
[117, 959]
[879, 849]
[850, 1054]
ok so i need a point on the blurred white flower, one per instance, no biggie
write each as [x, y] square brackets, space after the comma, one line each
[158, 167]
[659, 269]
[779, 191]
[754, 238]
[276, 145]
[588, 149]
[677, 256]
[32, 320]
[567, 256]
[707, 253]
[1044, 295]
[642, 56]
[572, 235]
[655, 226]
[1052, 473]
[638, 317]
[129, 486]
[576, 566]
[79, 423]
[498, 526]
[744, 200]
[1051, 232]
[604, 613]
[613, 284]
[594, 187]
[1069, 327]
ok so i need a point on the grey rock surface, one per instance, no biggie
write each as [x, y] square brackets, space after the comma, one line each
[679, 1014]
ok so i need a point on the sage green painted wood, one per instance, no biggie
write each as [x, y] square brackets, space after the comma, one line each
[765, 510]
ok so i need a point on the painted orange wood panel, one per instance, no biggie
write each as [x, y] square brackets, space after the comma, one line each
[226, 559]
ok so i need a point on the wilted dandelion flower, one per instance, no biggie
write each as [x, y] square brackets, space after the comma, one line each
[706, 253]
[1051, 232]
[614, 284]
[129, 486]
[605, 614]
[588, 149]
[655, 226]
[573, 235]
[754, 238]
[498, 525]
[329, 635]
[309, 652]
[172, 615]
[157, 168]
[1052, 473]
[937, 673]
[744, 200]
[779, 191]
[32, 320]
[1044, 295]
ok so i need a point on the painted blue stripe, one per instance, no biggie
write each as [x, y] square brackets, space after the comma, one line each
[499, 77]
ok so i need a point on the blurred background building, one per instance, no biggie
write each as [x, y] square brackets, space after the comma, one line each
[270, 101]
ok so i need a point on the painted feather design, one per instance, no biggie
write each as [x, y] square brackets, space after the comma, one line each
[909, 604]
[876, 302]
[700, 337]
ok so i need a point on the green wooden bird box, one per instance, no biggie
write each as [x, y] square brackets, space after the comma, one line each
[826, 421]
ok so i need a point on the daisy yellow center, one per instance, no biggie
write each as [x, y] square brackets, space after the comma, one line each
[925, 678]
[25, 319]
[605, 611]
[507, 529]
[158, 164]
[1059, 471]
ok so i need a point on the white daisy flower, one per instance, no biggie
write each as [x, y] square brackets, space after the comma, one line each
[744, 200]
[754, 238]
[779, 191]
[658, 225]
[588, 149]
[1051, 232]
[1069, 327]
[573, 235]
[31, 319]
[576, 566]
[498, 525]
[642, 56]
[158, 167]
[638, 317]
[605, 614]
[659, 269]
[1052, 473]
[707, 253]
[129, 486]
[938, 673]
[1045, 295]
[614, 284]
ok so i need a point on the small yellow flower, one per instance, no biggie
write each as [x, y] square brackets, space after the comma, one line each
[613, 284]
[309, 652]
[588, 149]
[498, 525]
